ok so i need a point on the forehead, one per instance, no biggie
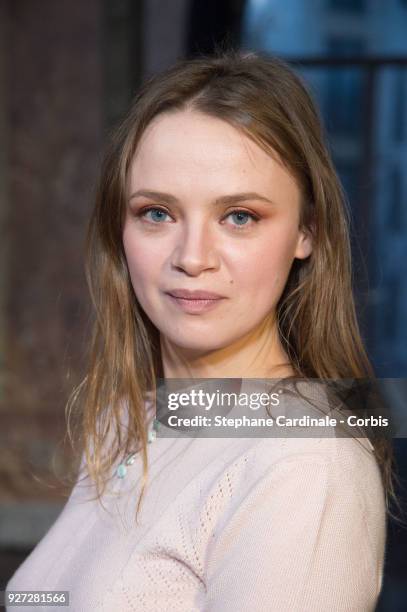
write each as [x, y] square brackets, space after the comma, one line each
[189, 146]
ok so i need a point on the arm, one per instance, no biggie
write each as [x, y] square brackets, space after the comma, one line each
[298, 543]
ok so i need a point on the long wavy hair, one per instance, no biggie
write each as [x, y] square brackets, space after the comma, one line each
[267, 101]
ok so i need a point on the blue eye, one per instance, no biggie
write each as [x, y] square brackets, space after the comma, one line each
[238, 216]
[157, 213]
[242, 216]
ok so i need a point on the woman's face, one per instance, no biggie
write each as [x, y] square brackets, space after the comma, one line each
[208, 210]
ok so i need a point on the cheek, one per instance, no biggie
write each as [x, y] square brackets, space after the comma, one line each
[142, 259]
[263, 268]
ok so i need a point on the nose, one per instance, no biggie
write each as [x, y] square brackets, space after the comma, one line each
[195, 250]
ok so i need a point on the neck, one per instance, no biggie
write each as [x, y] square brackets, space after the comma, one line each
[259, 354]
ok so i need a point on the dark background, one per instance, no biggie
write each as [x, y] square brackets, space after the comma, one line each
[68, 71]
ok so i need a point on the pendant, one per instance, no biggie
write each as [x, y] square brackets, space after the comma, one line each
[121, 470]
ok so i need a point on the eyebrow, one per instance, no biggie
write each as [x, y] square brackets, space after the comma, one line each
[226, 199]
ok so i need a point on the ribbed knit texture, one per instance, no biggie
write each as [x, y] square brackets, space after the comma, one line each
[239, 525]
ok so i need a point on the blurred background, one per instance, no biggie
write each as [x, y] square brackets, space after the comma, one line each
[68, 71]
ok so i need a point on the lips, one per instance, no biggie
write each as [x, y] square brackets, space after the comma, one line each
[198, 304]
[194, 295]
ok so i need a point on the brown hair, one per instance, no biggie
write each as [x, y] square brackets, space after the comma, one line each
[264, 98]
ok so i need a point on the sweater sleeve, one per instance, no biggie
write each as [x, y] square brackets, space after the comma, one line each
[298, 542]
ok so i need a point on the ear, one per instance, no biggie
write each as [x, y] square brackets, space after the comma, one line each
[304, 244]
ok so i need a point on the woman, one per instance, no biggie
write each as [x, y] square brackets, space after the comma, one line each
[218, 248]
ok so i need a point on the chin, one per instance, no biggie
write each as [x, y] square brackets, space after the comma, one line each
[197, 345]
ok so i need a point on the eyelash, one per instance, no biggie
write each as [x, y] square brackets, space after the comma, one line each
[254, 217]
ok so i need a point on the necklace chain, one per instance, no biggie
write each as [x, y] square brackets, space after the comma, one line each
[121, 470]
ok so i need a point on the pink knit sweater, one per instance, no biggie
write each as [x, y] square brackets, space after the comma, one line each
[246, 524]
